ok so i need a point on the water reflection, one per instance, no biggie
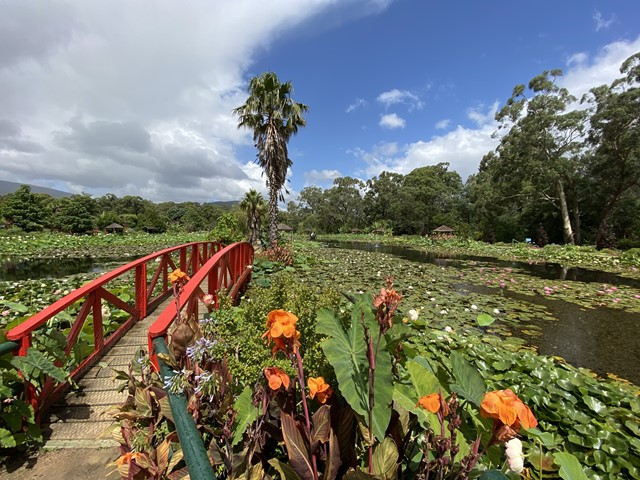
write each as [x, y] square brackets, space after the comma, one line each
[12, 269]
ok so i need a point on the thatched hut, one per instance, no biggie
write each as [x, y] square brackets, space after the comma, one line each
[114, 228]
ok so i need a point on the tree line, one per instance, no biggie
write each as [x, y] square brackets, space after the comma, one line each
[30, 212]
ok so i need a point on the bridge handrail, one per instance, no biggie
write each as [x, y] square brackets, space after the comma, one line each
[93, 293]
[229, 269]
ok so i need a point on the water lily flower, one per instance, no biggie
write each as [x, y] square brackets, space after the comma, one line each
[277, 378]
[178, 276]
[413, 314]
[474, 307]
[433, 403]
[508, 412]
[496, 311]
[318, 387]
[515, 458]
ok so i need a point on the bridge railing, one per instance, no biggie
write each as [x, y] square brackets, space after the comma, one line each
[228, 271]
[149, 276]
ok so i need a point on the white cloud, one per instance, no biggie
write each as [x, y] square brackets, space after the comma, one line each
[599, 69]
[136, 97]
[321, 177]
[481, 117]
[443, 124]
[600, 21]
[396, 96]
[392, 120]
[462, 148]
[578, 58]
[359, 103]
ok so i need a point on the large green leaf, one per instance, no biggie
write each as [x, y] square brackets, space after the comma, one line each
[570, 468]
[247, 413]
[7, 440]
[18, 307]
[469, 383]
[34, 363]
[347, 353]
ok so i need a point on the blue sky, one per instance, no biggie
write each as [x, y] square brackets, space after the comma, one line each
[136, 98]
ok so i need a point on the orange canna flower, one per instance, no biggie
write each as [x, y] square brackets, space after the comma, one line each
[276, 378]
[178, 276]
[318, 387]
[505, 407]
[433, 402]
[281, 327]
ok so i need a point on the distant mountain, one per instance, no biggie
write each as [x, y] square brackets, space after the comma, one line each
[10, 187]
[226, 205]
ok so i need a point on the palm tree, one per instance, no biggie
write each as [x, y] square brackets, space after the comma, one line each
[255, 206]
[274, 117]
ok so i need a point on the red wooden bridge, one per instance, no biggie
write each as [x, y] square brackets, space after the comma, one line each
[75, 417]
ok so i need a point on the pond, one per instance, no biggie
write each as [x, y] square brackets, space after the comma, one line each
[13, 269]
[602, 339]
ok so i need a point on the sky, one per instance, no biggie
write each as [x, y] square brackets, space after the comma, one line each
[137, 97]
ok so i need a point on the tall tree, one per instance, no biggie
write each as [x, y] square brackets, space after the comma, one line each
[538, 158]
[254, 205]
[24, 209]
[274, 117]
[615, 135]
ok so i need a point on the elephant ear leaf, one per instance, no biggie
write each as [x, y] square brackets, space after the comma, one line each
[35, 362]
[346, 350]
[469, 383]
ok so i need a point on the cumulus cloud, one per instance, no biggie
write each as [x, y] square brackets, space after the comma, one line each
[599, 69]
[359, 103]
[601, 22]
[482, 115]
[395, 96]
[321, 177]
[443, 124]
[462, 148]
[392, 120]
[136, 98]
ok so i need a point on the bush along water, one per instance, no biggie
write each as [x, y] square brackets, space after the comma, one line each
[388, 398]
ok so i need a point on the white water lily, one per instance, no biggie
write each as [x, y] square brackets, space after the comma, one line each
[413, 314]
[443, 311]
[515, 458]
[496, 311]
[474, 307]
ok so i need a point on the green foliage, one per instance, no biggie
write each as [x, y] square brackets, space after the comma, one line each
[226, 229]
[23, 209]
[346, 350]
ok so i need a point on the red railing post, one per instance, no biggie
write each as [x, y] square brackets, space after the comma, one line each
[98, 329]
[195, 259]
[141, 290]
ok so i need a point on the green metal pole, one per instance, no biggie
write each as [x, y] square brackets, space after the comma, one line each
[7, 347]
[193, 449]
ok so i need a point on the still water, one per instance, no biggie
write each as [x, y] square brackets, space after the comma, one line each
[12, 269]
[602, 339]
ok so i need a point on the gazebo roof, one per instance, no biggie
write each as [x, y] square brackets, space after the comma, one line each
[443, 229]
[114, 226]
[284, 227]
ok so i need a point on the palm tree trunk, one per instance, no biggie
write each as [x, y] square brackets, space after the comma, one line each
[273, 216]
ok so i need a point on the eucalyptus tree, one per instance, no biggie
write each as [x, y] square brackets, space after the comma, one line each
[539, 157]
[274, 117]
[254, 205]
[615, 135]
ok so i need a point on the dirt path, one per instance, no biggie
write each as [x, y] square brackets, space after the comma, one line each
[62, 464]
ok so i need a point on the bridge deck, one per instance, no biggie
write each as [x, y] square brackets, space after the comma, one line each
[78, 420]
